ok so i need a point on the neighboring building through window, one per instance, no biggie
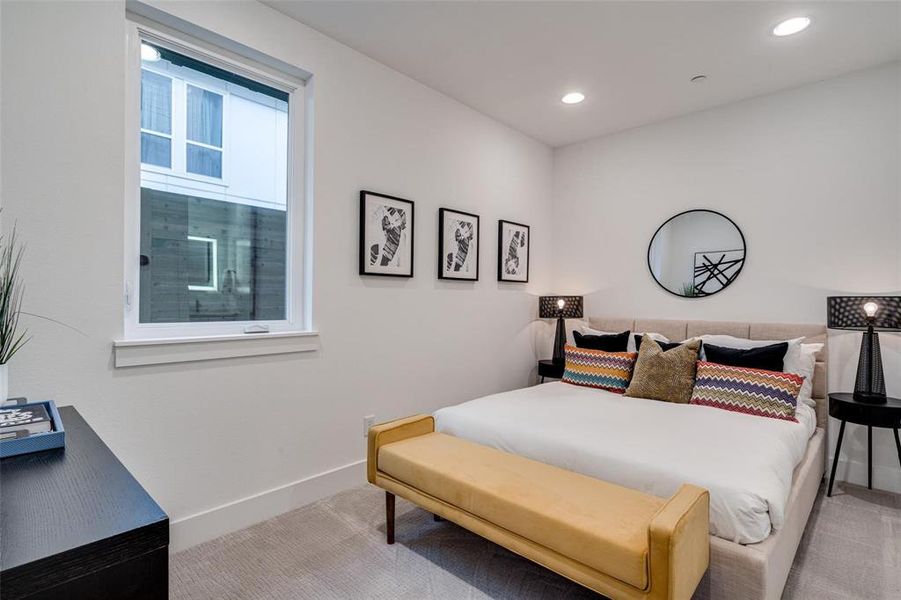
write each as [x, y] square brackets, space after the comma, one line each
[156, 119]
[204, 132]
[214, 236]
[203, 264]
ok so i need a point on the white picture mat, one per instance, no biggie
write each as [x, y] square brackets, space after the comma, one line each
[396, 213]
[468, 227]
[514, 261]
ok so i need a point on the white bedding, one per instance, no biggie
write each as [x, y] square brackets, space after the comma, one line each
[746, 462]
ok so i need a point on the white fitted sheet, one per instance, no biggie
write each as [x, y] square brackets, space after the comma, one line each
[746, 462]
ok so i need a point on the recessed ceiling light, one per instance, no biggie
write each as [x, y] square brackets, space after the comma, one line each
[791, 26]
[573, 98]
[149, 53]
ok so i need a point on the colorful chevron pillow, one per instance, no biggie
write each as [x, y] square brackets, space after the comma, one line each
[751, 391]
[598, 369]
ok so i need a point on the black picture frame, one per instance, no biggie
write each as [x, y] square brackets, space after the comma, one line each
[732, 277]
[405, 244]
[444, 271]
[502, 274]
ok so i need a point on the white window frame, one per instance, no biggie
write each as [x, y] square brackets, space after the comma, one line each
[149, 343]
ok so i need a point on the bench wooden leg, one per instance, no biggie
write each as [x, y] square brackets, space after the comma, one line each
[389, 516]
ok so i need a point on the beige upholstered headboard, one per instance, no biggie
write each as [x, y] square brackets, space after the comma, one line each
[681, 330]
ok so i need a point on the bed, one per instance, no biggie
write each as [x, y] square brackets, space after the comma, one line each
[763, 474]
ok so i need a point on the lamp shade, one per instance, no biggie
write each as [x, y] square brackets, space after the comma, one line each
[847, 312]
[549, 309]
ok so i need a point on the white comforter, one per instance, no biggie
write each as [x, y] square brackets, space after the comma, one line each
[746, 462]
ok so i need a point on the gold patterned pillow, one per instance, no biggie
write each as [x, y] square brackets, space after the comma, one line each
[667, 375]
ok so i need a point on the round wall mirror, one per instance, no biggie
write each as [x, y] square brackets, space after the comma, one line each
[696, 253]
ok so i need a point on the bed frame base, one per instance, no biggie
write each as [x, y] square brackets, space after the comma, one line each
[759, 571]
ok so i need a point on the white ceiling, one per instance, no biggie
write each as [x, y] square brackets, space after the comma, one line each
[514, 60]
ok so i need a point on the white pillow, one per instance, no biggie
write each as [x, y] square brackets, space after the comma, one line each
[806, 367]
[572, 325]
[586, 330]
[654, 336]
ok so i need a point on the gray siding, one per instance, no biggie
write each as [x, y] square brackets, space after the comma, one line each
[251, 257]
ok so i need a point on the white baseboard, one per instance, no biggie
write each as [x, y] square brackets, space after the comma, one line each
[885, 477]
[209, 524]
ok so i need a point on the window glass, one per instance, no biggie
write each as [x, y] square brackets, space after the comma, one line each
[204, 116]
[212, 250]
[156, 102]
[204, 161]
[240, 277]
[156, 150]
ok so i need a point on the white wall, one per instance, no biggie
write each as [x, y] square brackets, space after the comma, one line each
[203, 435]
[811, 175]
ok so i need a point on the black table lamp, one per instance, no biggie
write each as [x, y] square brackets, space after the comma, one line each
[560, 308]
[868, 314]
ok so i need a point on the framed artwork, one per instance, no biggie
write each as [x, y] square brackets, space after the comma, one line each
[458, 245]
[512, 251]
[386, 235]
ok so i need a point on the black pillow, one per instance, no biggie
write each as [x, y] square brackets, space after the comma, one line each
[769, 358]
[615, 342]
[663, 345]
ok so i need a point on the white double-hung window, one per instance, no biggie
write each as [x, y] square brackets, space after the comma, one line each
[215, 210]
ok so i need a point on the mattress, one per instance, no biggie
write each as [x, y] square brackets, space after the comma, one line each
[746, 462]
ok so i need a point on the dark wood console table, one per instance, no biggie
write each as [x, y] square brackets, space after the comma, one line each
[75, 524]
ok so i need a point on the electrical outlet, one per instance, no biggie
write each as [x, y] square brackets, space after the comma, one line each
[368, 421]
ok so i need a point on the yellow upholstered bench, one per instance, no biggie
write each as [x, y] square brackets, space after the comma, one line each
[619, 542]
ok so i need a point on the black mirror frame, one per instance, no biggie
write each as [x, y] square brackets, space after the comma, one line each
[744, 244]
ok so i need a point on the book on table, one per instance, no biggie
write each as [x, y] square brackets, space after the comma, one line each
[30, 419]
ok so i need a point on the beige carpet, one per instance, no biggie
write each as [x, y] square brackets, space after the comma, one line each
[335, 548]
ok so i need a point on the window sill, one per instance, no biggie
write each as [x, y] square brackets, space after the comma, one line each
[133, 353]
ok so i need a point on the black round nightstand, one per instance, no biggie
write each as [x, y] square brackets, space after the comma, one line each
[548, 368]
[848, 410]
